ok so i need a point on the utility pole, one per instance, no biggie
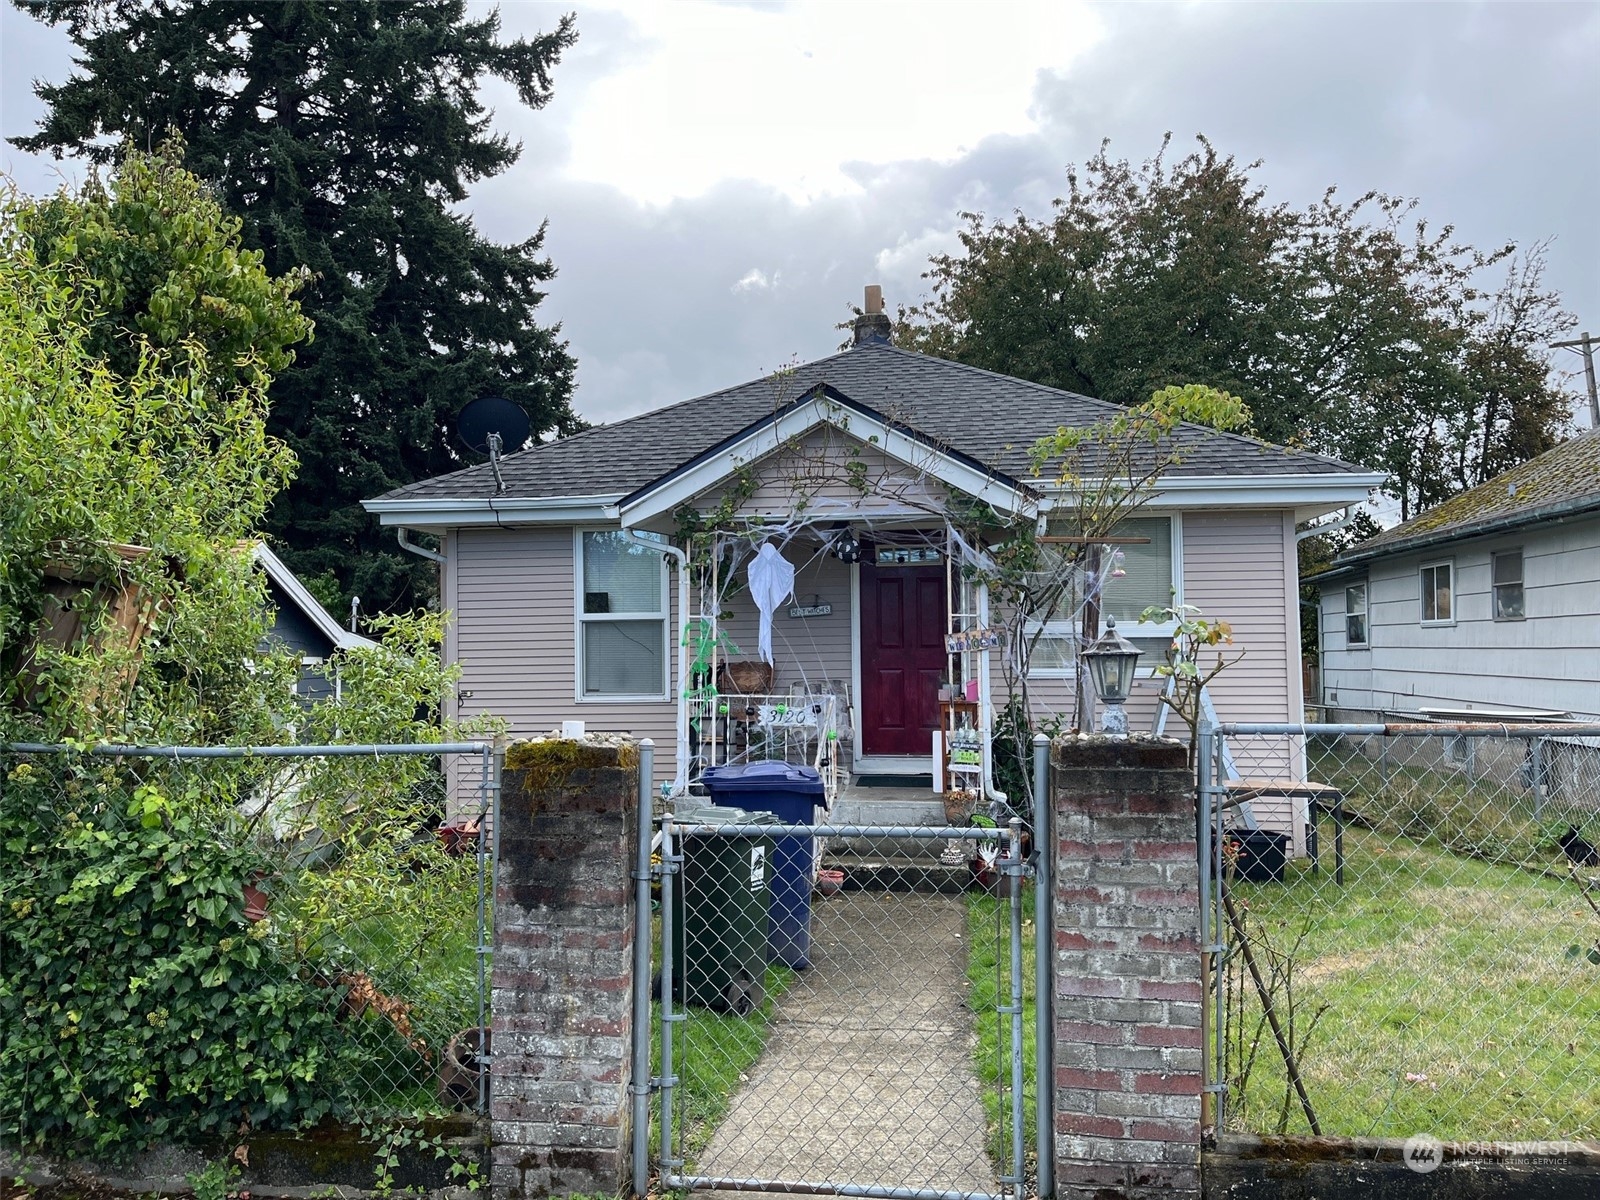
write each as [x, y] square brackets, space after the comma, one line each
[1585, 346]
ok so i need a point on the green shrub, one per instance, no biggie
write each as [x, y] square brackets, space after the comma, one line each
[136, 1002]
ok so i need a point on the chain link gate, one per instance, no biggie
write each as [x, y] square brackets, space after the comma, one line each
[869, 1041]
[1402, 929]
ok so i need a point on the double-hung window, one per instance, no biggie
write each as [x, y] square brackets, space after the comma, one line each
[1139, 575]
[1438, 590]
[1507, 576]
[622, 618]
[1355, 615]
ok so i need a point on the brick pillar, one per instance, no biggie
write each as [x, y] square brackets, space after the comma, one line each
[562, 1001]
[1127, 969]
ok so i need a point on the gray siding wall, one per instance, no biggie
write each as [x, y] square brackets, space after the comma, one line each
[512, 593]
[816, 469]
[805, 650]
[1549, 660]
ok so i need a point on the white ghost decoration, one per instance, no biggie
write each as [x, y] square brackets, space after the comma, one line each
[771, 583]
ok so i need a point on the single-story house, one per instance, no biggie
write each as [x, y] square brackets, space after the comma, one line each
[572, 598]
[1485, 607]
[301, 623]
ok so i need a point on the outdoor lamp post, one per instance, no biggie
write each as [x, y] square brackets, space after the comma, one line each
[1111, 658]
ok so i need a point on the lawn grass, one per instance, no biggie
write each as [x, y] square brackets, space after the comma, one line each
[989, 973]
[1452, 1005]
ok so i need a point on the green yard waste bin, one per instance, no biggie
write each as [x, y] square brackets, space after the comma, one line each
[719, 917]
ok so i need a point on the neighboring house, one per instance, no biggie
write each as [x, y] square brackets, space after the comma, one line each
[567, 605]
[302, 624]
[1485, 607]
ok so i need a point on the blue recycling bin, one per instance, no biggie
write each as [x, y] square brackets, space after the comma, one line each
[791, 794]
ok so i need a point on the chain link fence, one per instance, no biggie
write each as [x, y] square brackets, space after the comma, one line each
[1409, 920]
[842, 1007]
[197, 938]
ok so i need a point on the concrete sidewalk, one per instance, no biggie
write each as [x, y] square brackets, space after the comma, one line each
[867, 1076]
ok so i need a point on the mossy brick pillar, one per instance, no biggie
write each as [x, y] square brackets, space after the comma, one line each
[1127, 979]
[563, 979]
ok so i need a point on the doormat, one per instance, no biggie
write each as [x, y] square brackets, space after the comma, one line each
[893, 781]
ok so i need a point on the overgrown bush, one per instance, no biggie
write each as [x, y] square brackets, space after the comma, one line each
[136, 1001]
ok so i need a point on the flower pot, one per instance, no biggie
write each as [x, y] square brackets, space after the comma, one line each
[829, 882]
[256, 898]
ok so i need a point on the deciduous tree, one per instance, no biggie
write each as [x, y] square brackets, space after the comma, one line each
[1351, 328]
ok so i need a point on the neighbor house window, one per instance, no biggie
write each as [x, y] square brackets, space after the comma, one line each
[1507, 568]
[1355, 615]
[622, 619]
[1437, 586]
[1146, 576]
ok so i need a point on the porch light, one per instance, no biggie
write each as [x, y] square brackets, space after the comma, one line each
[1111, 658]
[844, 545]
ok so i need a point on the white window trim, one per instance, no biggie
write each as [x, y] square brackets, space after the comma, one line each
[1522, 583]
[580, 617]
[1366, 613]
[1140, 630]
[1437, 622]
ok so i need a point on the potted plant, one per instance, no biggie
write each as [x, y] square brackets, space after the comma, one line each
[959, 804]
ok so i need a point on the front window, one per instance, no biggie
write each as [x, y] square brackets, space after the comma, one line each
[1437, 590]
[1142, 575]
[1508, 604]
[622, 619]
[1355, 615]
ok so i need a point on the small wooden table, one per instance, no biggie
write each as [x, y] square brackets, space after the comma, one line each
[1319, 797]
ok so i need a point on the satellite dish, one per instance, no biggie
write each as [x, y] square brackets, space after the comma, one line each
[491, 415]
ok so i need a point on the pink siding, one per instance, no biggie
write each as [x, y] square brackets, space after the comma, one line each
[817, 472]
[1237, 567]
[805, 650]
[514, 636]
[1234, 569]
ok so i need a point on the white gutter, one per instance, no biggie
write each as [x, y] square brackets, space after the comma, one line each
[680, 777]
[1240, 491]
[457, 512]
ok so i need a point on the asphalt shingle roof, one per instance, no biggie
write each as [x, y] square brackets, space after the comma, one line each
[991, 418]
[1564, 478]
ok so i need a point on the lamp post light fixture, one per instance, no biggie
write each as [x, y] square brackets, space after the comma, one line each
[1111, 658]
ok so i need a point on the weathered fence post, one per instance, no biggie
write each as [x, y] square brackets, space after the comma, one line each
[563, 974]
[1127, 983]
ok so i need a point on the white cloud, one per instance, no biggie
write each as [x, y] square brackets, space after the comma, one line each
[755, 279]
[787, 94]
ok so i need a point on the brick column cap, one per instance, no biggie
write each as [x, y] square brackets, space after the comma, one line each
[1137, 751]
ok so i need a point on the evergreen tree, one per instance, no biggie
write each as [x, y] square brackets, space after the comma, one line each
[343, 134]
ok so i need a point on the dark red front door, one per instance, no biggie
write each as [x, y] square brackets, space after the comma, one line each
[902, 656]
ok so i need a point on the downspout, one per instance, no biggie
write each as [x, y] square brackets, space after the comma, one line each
[1318, 530]
[420, 551]
[680, 776]
[985, 701]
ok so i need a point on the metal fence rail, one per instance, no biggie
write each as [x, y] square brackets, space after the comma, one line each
[365, 880]
[860, 1033]
[1404, 926]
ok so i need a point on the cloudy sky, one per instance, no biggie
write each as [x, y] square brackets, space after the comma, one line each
[721, 180]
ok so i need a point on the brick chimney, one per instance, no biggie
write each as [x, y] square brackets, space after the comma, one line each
[872, 327]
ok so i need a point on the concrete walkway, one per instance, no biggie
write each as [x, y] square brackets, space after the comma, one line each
[867, 1076]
